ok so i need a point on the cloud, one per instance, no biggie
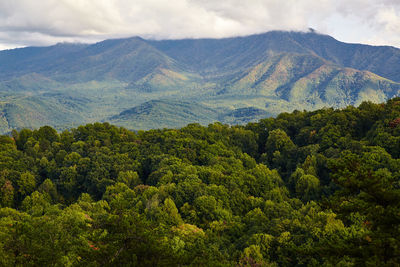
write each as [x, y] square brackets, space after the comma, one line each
[27, 22]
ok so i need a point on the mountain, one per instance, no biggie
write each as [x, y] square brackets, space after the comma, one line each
[228, 53]
[144, 84]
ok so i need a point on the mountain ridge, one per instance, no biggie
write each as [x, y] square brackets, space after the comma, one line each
[266, 73]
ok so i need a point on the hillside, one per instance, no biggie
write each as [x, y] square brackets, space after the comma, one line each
[60, 110]
[272, 73]
[164, 113]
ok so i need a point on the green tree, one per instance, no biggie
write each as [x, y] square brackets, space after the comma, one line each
[369, 188]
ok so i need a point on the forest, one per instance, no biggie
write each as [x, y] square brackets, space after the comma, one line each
[318, 188]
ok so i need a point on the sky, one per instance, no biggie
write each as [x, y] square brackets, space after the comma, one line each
[46, 22]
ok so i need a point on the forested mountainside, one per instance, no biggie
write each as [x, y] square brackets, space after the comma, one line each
[316, 188]
[68, 85]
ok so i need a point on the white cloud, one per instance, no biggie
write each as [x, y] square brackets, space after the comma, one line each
[29, 22]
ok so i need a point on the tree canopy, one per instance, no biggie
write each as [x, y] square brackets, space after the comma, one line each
[317, 188]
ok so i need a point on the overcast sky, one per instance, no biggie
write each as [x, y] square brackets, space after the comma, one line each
[45, 22]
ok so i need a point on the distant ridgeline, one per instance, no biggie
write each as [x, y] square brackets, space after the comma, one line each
[144, 84]
[317, 188]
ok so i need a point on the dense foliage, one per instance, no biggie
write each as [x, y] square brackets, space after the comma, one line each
[306, 188]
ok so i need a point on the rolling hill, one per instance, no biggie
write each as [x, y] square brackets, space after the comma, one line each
[163, 113]
[143, 84]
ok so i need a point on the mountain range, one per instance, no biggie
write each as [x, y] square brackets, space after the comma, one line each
[143, 84]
